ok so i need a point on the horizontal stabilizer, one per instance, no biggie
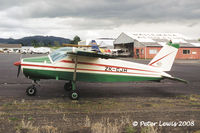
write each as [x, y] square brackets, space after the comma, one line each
[176, 79]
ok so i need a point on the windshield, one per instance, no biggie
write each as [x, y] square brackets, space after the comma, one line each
[60, 53]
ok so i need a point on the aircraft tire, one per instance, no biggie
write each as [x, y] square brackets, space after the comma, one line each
[74, 95]
[68, 86]
[31, 90]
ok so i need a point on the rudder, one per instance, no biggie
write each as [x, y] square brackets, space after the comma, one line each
[166, 56]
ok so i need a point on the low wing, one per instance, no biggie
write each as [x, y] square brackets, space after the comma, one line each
[91, 54]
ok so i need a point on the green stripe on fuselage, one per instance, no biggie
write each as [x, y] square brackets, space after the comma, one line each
[37, 59]
[88, 77]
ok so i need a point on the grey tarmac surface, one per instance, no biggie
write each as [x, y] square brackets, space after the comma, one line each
[11, 86]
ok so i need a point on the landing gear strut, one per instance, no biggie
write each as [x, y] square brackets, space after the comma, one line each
[32, 90]
[74, 94]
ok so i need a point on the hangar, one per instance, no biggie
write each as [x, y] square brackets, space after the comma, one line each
[147, 45]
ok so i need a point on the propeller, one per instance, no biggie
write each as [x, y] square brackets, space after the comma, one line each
[19, 70]
[18, 63]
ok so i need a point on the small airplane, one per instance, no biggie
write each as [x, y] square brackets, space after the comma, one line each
[93, 45]
[74, 64]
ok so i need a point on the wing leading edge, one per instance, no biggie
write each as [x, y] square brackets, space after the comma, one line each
[91, 54]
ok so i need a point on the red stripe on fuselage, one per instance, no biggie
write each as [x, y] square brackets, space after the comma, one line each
[32, 65]
[55, 67]
[94, 64]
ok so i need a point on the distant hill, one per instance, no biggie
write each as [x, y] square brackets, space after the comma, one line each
[37, 41]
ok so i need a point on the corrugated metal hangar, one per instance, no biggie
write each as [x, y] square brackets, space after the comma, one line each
[147, 45]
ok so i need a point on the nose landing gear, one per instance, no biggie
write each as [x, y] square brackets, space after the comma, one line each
[32, 90]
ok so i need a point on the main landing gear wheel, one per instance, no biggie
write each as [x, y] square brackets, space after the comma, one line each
[31, 90]
[74, 95]
[68, 86]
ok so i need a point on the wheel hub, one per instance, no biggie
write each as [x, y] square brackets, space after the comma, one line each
[31, 91]
[74, 95]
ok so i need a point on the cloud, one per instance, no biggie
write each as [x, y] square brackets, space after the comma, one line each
[142, 10]
[89, 16]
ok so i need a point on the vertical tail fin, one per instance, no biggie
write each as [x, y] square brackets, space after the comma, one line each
[165, 58]
[95, 47]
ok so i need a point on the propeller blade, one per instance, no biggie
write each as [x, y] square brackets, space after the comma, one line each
[18, 63]
[19, 69]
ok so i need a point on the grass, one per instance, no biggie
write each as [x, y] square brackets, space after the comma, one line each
[30, 118]
[130, 129]
[99, 105]
[97, 115]
[106, 126]
[13, 118]
[192, 97]
[198, 131]
[149, 129]
[28, 127]
[2, 113]
[53, 105]
[56, 106]
[87, 122]
[195, 103]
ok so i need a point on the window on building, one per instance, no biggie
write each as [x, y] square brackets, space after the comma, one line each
[153, 51]
[186, 51]
[142, 51]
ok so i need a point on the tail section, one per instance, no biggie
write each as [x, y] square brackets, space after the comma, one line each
[94, 46]
[165, 58]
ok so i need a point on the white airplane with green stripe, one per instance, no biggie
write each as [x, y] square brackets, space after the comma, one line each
[73, 64]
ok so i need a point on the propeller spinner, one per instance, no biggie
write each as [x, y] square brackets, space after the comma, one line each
[18, 63]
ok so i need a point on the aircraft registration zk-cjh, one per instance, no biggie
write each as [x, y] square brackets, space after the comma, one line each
[74, 64]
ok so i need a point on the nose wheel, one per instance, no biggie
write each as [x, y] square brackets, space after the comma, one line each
[31, 90]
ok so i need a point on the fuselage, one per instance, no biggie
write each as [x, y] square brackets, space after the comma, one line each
[89, 69]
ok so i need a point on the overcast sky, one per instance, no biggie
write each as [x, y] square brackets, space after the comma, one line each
[103, 18]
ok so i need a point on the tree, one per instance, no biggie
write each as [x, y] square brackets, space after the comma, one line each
[199, 39]
[75, 40]
[49, 44]
[34, 43]
[41, 44]
[56, 43]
